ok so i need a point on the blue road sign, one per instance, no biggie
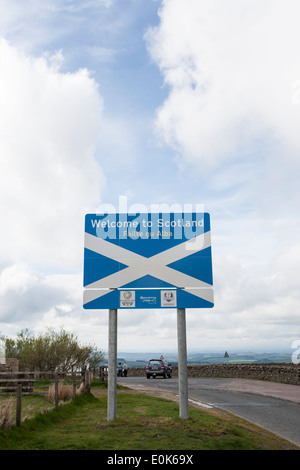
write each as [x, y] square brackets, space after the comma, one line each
[162, 252]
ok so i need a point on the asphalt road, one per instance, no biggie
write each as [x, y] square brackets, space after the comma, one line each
[275, 407]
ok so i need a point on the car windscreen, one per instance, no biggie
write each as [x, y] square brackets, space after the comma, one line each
[155, 362]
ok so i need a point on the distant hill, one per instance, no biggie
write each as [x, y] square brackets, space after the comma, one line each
[140, 359]
[239, 358]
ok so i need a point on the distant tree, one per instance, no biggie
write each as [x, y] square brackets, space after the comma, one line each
[96, 357]
[226, 354]
[52, 351]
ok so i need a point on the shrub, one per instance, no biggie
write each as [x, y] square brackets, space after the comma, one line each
[65, 392]
[7, 414]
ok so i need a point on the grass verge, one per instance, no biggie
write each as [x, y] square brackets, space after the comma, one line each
[143, 423]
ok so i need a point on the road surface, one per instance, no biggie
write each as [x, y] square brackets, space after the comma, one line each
[272, 406]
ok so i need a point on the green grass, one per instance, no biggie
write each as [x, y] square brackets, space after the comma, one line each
[31, 405]
[143, 423]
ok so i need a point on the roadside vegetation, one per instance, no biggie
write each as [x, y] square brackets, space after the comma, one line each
[52, 351]
[143, 423]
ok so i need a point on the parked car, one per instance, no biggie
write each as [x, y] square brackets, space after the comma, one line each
[158, 367]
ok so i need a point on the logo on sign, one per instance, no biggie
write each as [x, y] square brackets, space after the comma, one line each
[168, 298]
[127, 298]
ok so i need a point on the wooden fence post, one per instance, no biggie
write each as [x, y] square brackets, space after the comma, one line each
[74, 385]
[83, 377]
[56, 392]
[19, 405]
[88, 381]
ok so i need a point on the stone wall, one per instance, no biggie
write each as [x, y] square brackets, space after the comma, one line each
[272, 372]
[10, 365]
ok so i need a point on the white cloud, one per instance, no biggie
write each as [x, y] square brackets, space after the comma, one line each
[258, 303]
[49, 125]
[231, 68]
[33, 26]
[32, 300]
[25, 295]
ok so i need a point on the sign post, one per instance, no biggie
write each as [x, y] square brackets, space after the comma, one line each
[182, 364]
[112, 363]
[146, 261]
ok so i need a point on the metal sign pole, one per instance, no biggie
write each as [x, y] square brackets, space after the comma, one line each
[182, 364]
[112, 365]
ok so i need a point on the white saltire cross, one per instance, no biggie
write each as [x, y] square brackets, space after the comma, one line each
[140, 266]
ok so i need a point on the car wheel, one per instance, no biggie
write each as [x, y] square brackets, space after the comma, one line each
[148, 376]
